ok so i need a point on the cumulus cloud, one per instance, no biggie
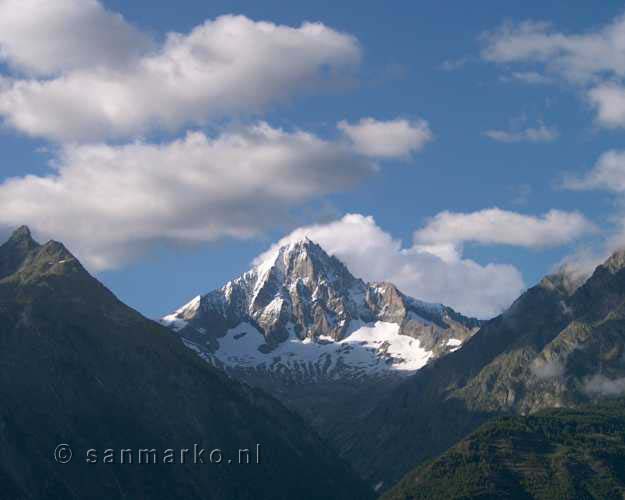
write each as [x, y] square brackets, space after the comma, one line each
[578, 57]
[496, 226]
[109, 202]
[541, 133]
[374, 255]
[224, 67]
[609, 101]
[608, 173]
[387, 139]
[594, 61]
[44, 37]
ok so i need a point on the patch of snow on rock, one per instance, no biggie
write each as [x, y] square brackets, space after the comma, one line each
[369, 347]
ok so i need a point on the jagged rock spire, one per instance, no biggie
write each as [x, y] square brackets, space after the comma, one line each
[22, 232]
[16, 250]
[21, 237]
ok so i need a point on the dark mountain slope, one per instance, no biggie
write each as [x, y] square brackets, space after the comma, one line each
[79, 367]
[557, 345]
[553, 454]
[425, 415]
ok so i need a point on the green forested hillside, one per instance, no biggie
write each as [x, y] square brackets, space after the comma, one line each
[555, 454]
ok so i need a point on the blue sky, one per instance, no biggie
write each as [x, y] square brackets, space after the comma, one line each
[417, 63]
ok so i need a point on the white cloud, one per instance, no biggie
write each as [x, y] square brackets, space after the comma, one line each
[577, 267]
[616, 241]
[374, 255]
[541, 133]
[109, 203]
[44, 37]
[531, 77]
[594, 60]
[577, 57]
[609, 101]
[545, 369]
[608, 173]
[387, 139]
[228, 66]
[502, 227]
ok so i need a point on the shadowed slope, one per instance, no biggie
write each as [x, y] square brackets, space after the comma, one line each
[79, 367]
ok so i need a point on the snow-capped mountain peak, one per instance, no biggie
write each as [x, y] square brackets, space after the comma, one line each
[302, 259]
[300, 307]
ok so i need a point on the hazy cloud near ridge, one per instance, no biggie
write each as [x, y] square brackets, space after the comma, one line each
[545, 369]
[608, 174]
[601, 385]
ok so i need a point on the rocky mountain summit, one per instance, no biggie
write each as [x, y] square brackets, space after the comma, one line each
[302, 314]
